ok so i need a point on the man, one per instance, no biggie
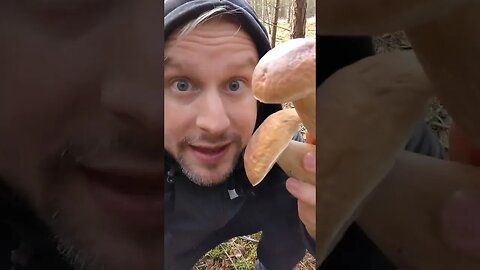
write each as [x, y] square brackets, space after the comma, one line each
[211, 49]
[81, 122]
[210, 115]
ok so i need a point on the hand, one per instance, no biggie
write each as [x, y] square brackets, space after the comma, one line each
[461, 222]
[306, 195]
[461, 215]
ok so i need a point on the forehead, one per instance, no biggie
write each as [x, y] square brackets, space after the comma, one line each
[222, 33]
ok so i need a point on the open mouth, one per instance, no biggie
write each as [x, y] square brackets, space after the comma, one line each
[134, 198]
[210, 154]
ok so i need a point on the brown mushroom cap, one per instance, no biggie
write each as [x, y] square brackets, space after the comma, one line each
[286, 73]
[268, 142]
[370, 17]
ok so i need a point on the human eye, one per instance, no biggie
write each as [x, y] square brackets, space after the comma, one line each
[235, 85]
[181, 85]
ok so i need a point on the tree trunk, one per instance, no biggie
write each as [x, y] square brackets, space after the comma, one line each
[299, 18]
[275, 22]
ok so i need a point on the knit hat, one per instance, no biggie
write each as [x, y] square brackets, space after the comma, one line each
[179, 12]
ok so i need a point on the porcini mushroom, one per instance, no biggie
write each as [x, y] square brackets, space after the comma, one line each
[287, 74]
[268, 142]
[284, 74]
[445, 35]
[371, 17]
[366, 112]
[449, 50]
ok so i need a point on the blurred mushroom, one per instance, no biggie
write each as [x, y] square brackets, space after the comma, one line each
[371, 17]
[366, 113]
[449, 50]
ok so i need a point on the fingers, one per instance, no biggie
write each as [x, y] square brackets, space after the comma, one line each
[309, 162]
[306, 195]
[461, 222]
[304, 192]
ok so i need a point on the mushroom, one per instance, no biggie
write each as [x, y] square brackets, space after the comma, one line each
[372, 17]
[286, 73]
[268, 142]
[366, 113]
[445, 35]
[403, 212]
[449, 50]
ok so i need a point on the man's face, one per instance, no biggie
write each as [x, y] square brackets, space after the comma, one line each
[81, 120]
[210, 110]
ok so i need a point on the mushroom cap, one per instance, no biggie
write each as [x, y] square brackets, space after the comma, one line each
[453, 65]
[372, 17]
[268, 142]
[286, 73]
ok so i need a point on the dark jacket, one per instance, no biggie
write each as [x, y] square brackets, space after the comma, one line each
[199, 218]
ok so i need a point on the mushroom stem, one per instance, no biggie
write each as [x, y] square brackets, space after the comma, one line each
[403, 215]
[291, 161]
[449, 50]
[366, 112]
[306, 110]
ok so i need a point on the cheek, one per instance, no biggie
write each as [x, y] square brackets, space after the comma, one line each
[177, 122]
[245, 115]
[45, 87]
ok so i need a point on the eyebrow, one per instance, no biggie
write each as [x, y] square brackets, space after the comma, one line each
[249, 62]
[168, 62]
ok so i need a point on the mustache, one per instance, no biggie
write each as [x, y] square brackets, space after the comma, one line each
[129, 143]
[211, 139]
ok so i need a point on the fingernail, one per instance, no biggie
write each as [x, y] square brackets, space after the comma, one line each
[292, 184]
[309, 162]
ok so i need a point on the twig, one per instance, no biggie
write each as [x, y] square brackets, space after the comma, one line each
[248, 239]
[269, 23]
[228, 256]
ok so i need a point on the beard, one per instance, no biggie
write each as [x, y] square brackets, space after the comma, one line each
[87, 244]
[214, 178]
[207, 181]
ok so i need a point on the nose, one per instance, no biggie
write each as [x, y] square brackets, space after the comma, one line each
[133, 86]
[213, 118]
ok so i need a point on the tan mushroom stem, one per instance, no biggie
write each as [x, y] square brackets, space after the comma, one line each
[287, 74]
[306, 109]
[449, 50]
[291, 161]
[268, 142]
[372, 17]
[366, 112]
[403, 216]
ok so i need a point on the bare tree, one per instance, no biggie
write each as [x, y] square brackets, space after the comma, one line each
[299, 18]
[275, 22]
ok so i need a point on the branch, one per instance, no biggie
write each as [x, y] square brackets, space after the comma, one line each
[269, 23]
